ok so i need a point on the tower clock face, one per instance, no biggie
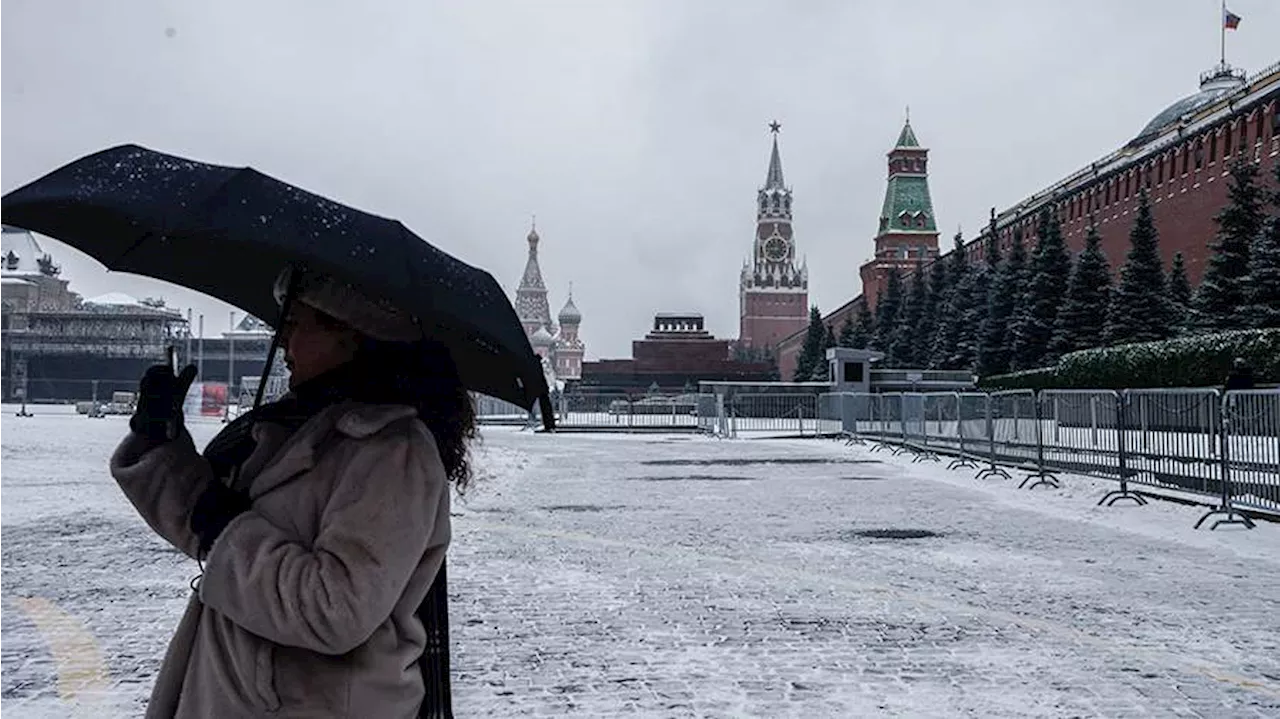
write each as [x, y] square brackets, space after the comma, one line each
[775, 249]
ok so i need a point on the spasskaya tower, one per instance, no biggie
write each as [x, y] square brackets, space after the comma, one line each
[773, 291]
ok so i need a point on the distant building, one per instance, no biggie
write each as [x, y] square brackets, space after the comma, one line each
[907, 233]
[560, 347]
[773, 288]
[673, 357]
[57, 346]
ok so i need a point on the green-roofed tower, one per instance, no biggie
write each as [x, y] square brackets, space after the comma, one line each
[907, 234]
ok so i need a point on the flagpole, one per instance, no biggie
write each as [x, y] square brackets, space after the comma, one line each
[1222, 33]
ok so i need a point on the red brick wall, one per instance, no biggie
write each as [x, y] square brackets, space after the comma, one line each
[770, 317]
[678, 355]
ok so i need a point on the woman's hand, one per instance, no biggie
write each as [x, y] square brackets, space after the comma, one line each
[158, 416]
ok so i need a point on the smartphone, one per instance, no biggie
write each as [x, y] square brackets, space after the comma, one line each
[171, 358]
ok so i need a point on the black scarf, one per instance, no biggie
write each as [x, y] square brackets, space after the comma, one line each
[375, 377]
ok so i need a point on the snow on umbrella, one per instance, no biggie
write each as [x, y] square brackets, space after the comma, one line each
[228, 231]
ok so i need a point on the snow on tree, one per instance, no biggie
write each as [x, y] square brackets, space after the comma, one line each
[972, 299]
[935, 301]
[1083, 316]
[887, 309]
[1003, 298]
[1180, 297]
[821, 367]
[907, 346]
[1043, 294]
[1262, 285]
[846, 334]
[864, 328]
[814, 340]
[1139, 308]
[951, 300]
[1222, 290]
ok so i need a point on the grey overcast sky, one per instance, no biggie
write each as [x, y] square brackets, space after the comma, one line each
[636, 131]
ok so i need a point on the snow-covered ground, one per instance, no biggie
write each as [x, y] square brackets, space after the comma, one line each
[675, 575]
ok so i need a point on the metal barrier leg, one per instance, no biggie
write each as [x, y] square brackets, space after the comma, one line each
[1115, 495]
[923, 453]
[1041, 475]
[993, 470]
[1225, 507]
[1233, 516]
[962, 460]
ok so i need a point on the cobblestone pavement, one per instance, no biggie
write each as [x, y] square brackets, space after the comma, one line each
[678, 576]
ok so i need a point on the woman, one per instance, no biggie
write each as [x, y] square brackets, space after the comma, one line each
[321, 519]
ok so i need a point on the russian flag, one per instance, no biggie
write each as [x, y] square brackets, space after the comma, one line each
[1230, 20]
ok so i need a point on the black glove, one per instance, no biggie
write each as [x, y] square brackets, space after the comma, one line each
[214, 510]
[158, 416]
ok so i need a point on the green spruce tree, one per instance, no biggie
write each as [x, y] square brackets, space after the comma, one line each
[1083, 316]
[935, 302]
[1004, 296]
[973, 299]
[822, 368]
[1179, 293]
[1139, 308]
[906, 348]
[887, 310]
[1044, 291]
[864, 328]
[952, 299]
[814, 341]
[846, 334]
[1262, 284]
[1222, 290]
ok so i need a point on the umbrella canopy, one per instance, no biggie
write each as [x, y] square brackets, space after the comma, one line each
[228, 231]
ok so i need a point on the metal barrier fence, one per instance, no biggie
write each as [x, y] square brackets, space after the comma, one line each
[601, 410]
[1200, 441]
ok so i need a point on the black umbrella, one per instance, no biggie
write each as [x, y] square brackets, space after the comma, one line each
[228, 231]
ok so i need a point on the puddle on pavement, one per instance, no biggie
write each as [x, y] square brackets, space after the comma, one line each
[740, 462]
[860, 479]
[583, 507]
[888, 534]
[694, 478]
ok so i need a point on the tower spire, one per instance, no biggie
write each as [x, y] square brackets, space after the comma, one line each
[773, 180]
[531, 295]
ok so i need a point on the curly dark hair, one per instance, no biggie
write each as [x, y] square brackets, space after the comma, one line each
[423, 374]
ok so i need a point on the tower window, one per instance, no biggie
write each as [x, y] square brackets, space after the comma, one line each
[1199, 154]
[1186, 159]
[1159, 171]
[1126, 185]
[1213, 147]
[1226, 141]
[1260, 122]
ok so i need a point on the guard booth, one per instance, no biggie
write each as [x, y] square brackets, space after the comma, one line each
[850, 373]
[851, 368]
